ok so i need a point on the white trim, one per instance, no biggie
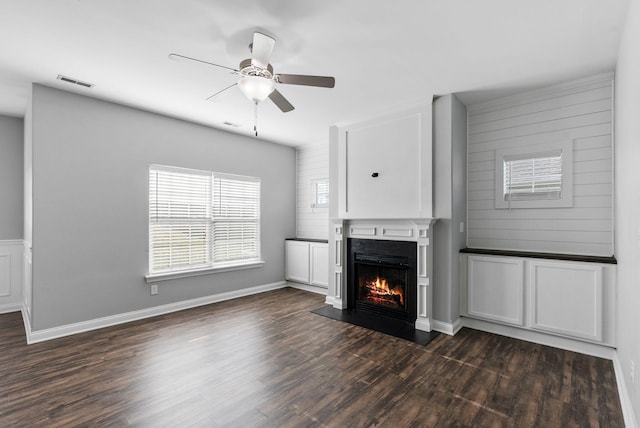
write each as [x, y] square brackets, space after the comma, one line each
[94, 324]
[11, 242]
[330, 300]
[447, 328]
[10, 307]
[307, 287]
[423, 324]
[601, 351]
[166, 276]
[629, 415]
[26, 321]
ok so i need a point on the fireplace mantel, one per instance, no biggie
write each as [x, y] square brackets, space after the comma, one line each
[415, 230]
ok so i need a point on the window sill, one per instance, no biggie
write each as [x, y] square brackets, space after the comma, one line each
[166, 276]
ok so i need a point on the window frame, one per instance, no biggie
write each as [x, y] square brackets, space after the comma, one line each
[210, 266]
[565, 199]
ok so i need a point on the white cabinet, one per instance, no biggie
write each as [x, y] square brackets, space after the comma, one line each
[567, 299]
[318, 263]
[298, 265]
[564, 298]
[496, 289]
[307, 262]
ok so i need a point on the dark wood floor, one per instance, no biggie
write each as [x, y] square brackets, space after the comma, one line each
[266, 361]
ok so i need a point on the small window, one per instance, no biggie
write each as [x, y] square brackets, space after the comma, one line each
[534, 179]
[538, 177]
[320, 191]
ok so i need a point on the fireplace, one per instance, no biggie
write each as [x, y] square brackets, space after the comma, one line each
[382, 279]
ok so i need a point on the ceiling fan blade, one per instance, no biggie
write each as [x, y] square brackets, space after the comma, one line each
[178, 57]
[220, 91]
[261, 49]
[280, 101]
[301, 79]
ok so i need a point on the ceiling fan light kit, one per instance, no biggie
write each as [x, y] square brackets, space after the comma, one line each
[256, 88]
[257, 79]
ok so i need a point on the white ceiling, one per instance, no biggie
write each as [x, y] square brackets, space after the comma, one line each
[383, 54]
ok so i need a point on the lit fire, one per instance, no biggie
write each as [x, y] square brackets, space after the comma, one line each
[380, 292]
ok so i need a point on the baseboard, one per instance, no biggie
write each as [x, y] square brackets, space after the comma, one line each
[447, 328]
[330, 300]
[94, 324]
[423, 324]
[307, 287]
[10, 307]
[26, 321]
[630, 420]
[593, 349]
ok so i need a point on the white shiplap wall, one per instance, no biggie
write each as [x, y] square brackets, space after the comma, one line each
[580, 111]
[312, 163]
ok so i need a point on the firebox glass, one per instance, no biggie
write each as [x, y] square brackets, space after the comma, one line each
[384, 286]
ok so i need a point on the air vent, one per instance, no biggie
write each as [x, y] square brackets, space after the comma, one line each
[74, 81]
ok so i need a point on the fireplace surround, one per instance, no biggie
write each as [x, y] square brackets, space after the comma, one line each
[415, 232]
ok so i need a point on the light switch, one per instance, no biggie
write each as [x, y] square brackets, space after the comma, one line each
[462, 227]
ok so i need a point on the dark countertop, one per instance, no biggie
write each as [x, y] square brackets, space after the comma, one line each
[323, 241]
[548, 256]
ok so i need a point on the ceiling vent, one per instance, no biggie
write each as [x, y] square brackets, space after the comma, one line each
[74, 81]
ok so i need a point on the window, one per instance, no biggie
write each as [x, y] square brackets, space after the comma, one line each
[534, 179]
[200, 220]
[320, 191]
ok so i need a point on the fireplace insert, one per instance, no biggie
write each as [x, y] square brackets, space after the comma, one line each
[382, 278]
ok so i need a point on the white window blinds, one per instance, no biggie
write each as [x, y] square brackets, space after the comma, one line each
[538, 177]
[320, 193]
[199, 218]
[236, 218]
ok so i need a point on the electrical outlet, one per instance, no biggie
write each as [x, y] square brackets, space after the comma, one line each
[633, 371]
[154, 289]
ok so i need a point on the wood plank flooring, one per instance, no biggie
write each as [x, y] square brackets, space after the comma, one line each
[266, 361]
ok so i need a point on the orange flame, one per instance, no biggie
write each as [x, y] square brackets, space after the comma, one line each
[380, 289]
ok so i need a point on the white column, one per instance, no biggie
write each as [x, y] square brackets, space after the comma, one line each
[425, 273]
[336, 293]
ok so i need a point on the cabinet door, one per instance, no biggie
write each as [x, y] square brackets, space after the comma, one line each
[319, 258]
[496, 289]
[566, 298]
[297, 268]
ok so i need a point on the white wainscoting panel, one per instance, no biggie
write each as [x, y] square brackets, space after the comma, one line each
[10, 275]
[5, 275]
[496, 289]
[566, 298]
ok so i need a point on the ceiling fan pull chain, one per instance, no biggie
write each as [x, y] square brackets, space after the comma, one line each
[255, 119]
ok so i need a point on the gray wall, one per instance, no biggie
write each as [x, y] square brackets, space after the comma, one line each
[11, 177]
[449, 187]
[90, 205]
[627, 232]
[578, 111]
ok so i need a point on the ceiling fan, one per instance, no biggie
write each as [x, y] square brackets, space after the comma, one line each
[257, 79]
